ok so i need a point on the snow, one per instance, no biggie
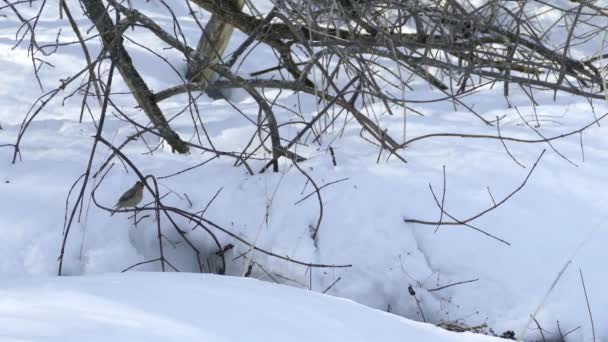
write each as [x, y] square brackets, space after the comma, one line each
[558, 217]
[193, 307]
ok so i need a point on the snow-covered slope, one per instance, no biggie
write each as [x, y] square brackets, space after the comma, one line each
[192, 307]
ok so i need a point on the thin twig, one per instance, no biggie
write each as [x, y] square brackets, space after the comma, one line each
[332, 285]
[588, 306]
[453, 284]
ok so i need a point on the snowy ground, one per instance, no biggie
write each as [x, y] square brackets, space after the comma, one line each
[558, 216]
[138, 307]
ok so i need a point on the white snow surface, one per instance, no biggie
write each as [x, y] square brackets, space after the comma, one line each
[558, 218]
[194, 307]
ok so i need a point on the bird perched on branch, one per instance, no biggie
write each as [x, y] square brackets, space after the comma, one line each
[131, 197]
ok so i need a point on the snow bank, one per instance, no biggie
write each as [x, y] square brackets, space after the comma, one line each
[190, 307]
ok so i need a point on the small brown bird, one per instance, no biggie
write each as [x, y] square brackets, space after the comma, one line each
[131, 197]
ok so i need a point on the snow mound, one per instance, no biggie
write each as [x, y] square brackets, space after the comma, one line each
[193, 307]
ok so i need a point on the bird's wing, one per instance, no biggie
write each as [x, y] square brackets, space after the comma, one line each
[127, 195]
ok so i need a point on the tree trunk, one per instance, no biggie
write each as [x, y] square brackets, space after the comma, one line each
[212, 44]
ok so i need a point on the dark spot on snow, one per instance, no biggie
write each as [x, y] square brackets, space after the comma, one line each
[509, 335]
[410, 289]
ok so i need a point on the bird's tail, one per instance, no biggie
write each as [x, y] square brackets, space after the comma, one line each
[114, 210]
